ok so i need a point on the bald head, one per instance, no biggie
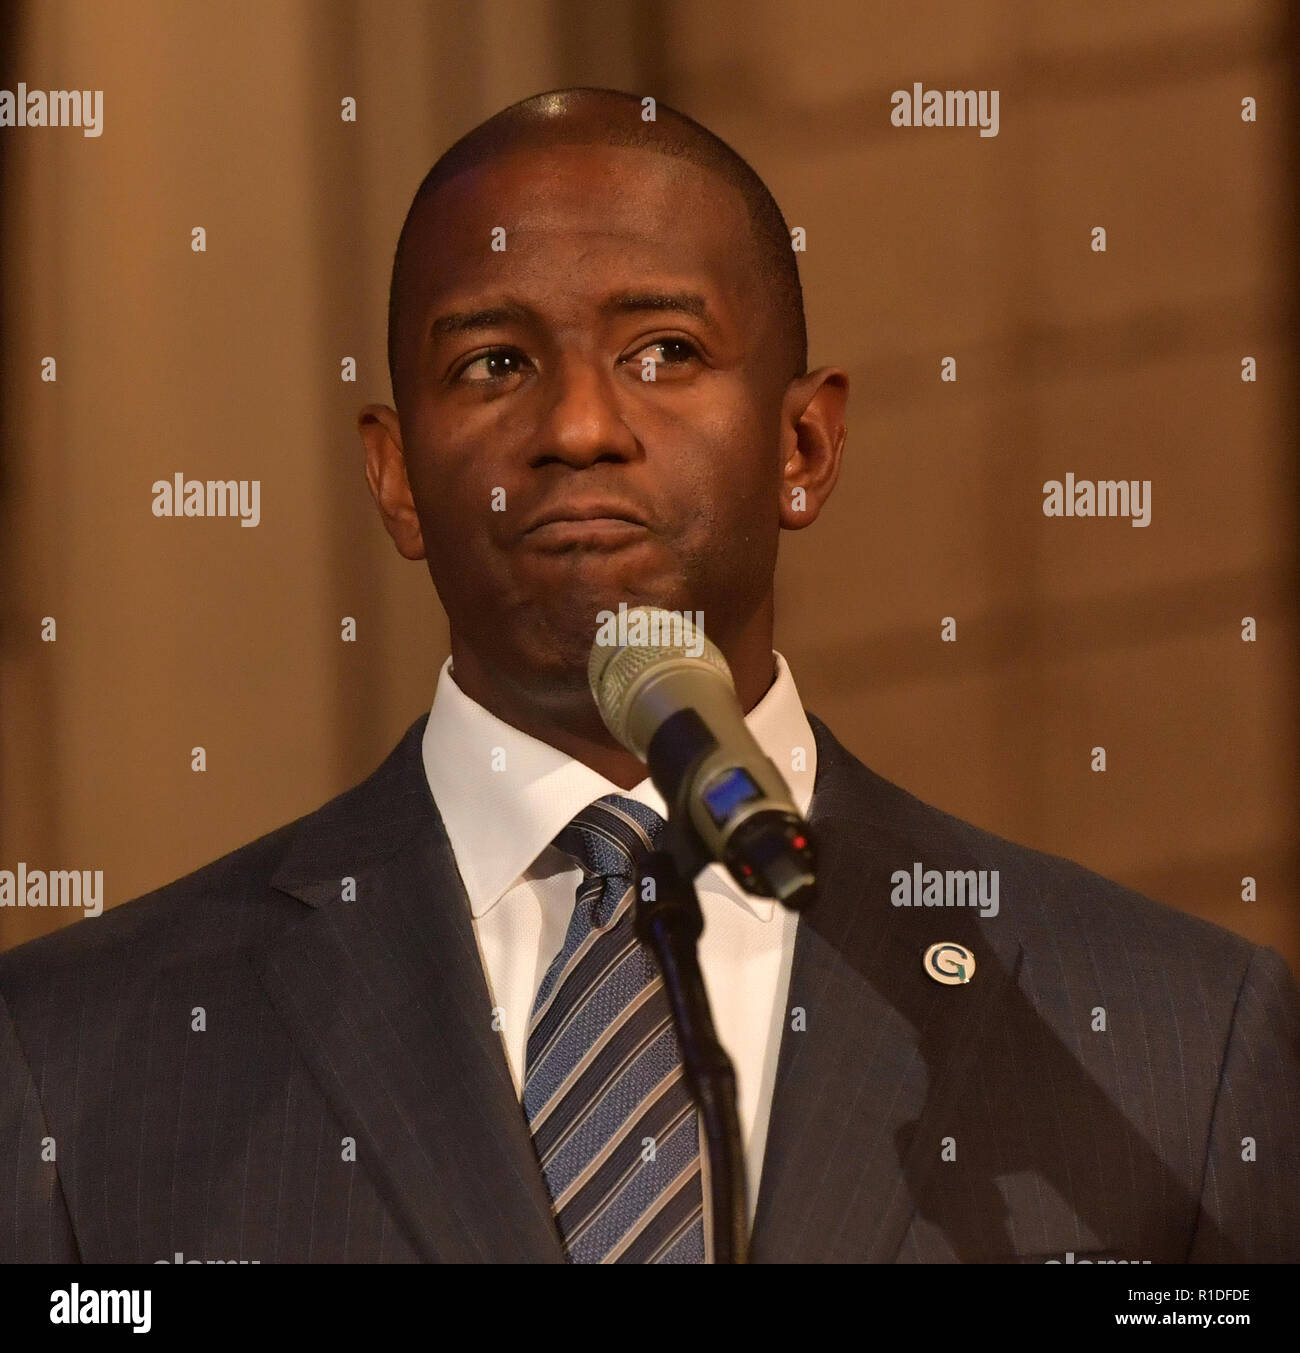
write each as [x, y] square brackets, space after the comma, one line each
[572, 117]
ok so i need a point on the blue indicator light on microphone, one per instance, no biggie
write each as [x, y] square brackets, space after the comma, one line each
[723, 795]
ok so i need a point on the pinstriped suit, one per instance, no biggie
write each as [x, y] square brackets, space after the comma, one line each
[331, 1022]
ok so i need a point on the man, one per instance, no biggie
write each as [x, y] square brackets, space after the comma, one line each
[414, 1025]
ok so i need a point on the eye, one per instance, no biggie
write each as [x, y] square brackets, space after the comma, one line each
[674, 351]
[489, 367]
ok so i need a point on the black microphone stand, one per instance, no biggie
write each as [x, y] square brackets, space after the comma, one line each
[669, 920]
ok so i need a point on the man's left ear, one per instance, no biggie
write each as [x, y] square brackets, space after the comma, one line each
[812, 441]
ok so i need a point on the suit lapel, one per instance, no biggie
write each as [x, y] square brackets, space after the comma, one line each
[386, 1000]
[864, 1091]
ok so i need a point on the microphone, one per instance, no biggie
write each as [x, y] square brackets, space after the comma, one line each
[676, 709]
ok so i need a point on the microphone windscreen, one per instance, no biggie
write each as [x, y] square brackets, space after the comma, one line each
[644, 637]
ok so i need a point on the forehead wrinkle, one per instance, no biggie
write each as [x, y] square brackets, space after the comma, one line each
[718, 272]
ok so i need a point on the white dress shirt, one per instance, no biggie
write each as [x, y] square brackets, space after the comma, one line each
[504, 796]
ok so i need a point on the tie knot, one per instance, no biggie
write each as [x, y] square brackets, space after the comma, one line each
[609, 836]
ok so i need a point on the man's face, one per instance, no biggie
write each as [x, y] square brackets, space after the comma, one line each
[542, 410]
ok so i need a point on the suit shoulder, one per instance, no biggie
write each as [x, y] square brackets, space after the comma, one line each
[215, 912]
[1045, 896]
[212, 908]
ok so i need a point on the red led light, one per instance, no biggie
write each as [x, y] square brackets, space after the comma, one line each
[799, 842]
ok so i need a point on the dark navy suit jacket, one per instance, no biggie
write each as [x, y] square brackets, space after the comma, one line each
[348, 1100]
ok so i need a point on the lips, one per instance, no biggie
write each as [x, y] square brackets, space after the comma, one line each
[587, 533]
[589, 510]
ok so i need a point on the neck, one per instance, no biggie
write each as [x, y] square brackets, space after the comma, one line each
[567, 719]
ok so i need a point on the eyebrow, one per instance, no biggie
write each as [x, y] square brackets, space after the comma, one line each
[491, 317]
[627, 303]
[623, 303]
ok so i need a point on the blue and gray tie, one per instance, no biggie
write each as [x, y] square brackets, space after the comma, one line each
[612, 1118]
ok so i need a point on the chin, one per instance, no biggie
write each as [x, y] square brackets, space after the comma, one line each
[566, 646]
[554, 625]
[556, 647]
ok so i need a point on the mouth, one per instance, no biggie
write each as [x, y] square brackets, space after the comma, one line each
[593, 525]
[567, 533]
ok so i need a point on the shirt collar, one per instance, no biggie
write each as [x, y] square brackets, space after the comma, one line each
[504, 796]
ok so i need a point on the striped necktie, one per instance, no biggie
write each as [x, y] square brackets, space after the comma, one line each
[612, 1118]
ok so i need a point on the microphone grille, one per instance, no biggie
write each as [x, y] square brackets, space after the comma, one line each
[613, 669]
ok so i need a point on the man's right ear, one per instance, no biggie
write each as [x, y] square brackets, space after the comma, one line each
[381, 435]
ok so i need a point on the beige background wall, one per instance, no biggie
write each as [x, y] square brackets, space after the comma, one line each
[922, 244]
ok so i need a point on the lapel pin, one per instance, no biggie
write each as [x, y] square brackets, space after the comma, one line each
[951, 964]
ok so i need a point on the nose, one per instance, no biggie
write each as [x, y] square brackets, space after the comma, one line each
[583, 420]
